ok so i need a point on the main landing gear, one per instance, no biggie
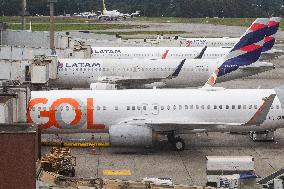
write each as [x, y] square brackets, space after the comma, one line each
[177, 142]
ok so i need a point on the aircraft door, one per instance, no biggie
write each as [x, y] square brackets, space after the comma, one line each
[155, 109]
[144, 109]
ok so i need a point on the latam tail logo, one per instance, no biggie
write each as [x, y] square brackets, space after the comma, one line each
[245, 56]
[254, 34]
[272, 29]
[245, 52]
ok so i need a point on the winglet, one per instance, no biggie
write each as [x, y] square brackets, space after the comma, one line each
[260, 116]
[201, 53]
[177, 70]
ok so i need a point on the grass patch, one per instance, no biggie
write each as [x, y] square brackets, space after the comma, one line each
[70, 26]
[45, 19]
[141, 32]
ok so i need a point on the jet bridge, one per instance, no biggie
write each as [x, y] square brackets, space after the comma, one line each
[35, 72]
[13, 103]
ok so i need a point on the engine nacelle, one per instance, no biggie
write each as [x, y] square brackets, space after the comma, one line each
[103, 86]
[131, 135]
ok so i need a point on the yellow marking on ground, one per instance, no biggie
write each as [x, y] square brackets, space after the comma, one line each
[77, 144]
[86, 144]
[122, 172]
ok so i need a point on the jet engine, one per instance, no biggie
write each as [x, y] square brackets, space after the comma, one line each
[131, 135]
[103, 86]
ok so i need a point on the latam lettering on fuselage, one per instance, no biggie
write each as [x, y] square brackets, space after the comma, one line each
[106, 51]
[79, 65]
[198, 42]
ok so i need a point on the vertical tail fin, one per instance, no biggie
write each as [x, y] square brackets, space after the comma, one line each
[269, 39]
[245, 52]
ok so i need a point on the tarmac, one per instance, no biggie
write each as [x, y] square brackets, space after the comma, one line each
[188, 166]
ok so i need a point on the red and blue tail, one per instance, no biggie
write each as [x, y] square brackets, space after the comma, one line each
[245, 52]
[269, 39]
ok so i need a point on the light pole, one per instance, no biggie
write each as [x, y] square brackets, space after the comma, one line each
[24, 8]
[51, 28]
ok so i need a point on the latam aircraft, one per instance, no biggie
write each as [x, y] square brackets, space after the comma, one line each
[135, 117]
[239, 62]
[273, 27]
[181, 52]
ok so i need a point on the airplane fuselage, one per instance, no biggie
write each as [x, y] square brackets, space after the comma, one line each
[79, 73]
[95, 111]
[158, 52]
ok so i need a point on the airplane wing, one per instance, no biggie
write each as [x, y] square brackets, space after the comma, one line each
[125, 81]
[165, 126]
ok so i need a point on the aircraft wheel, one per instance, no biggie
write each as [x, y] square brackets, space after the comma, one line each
[178, 144]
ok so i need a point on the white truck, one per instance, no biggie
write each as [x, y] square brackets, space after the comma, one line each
[230, 167]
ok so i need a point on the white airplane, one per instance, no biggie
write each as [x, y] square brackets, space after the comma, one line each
[184, 52]
[136, 117]
[142, 73]
[273, 27]
[110, 15]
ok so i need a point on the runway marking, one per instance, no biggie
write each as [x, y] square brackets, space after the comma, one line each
[122, 172]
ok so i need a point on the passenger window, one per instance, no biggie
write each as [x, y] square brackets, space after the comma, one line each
[239, 106]
[233, 107]
[227, 107]
[39, 108]
[174, 107]
[33, 109]
[180, 107]
[277, 106]
[208, 107]
[155, 107]
[116, 108]
[98, 107]
[191, 107]
[168, 107]
[104, 108]
[133, 107]
[162, 107]
[220, 107]
[215, 107]
[128, 107]
[250, 106]
[138, 108]
[272, 107]
[255, 106]
[186, 107]
[144, 107]
[244, 107]
[202, 107]
[44, 108]
[67, 108]
[197, 107]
